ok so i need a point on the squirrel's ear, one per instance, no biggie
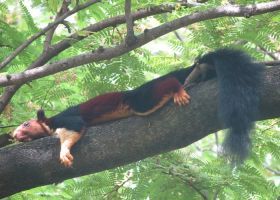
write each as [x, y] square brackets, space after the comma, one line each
[41, 115]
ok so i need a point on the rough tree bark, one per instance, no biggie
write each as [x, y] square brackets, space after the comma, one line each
[36, 163]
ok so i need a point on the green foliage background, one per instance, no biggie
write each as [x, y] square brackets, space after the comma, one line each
[195, 172]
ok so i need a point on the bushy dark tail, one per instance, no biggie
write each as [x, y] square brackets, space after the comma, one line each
[239, 79]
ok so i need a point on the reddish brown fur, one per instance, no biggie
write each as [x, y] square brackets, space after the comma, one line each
[166, 87]
[161, 103]
[95, 108]
[121, 111]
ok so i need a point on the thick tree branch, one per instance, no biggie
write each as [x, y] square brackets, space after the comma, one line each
[121, 142]
[142, 39]
[44, 30]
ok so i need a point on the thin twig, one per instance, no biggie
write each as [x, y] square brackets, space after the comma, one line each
[268, 53]
[7, 46]
[178, 36]
[118, 186]
[130, 37]
[274, 171]
[183, 177]
[8, 126]
[49, 35]
[271, 126]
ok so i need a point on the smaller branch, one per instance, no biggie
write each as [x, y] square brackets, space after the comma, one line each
[274, 171]
[44, 30]
[9, 126]
[178, 36]
[64, 9]
[268, 53]
[118, 186]
[185, 178]
[271, 126]
[114, 21]
[130, 37]
[7, 96]
[189, 182]
[7, 46]
[67, 26]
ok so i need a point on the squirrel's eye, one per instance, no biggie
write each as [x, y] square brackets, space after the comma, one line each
[26, 124]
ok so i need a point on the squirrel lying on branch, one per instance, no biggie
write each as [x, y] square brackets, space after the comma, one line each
[238, 82]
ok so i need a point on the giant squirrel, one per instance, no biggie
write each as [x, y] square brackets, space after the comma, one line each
[238, 83]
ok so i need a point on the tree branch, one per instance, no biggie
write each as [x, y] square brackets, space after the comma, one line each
[7, 96]
[189, 182]
[142, 39]
[111, 22]
[42, 59]
[270, 54]
[107, 146]
[44, 30]
[66, 43]
[49, 35]
[185, 178]
[130, 37]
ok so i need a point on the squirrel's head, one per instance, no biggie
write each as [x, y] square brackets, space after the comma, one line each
[32, 129]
